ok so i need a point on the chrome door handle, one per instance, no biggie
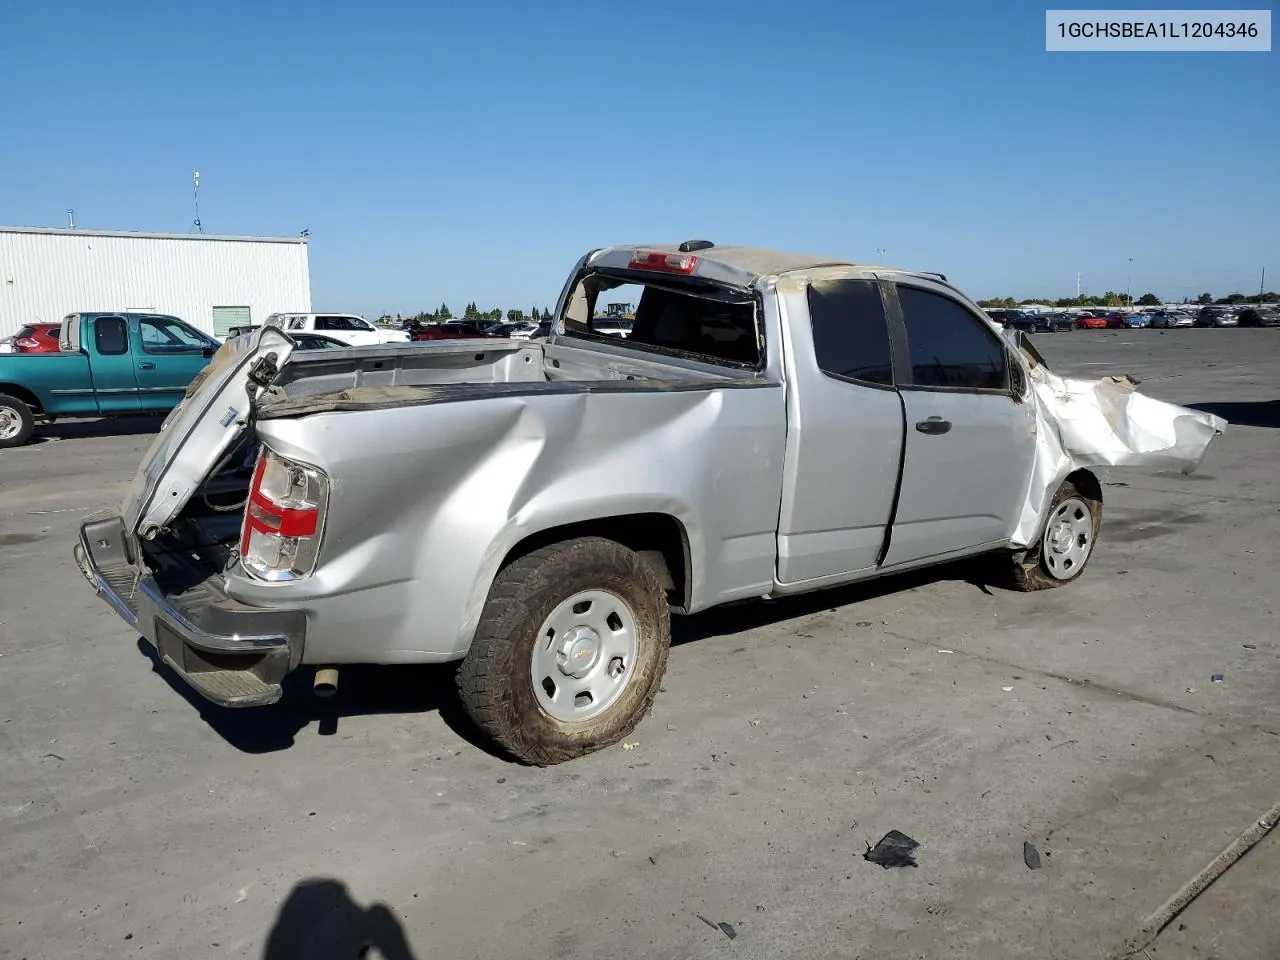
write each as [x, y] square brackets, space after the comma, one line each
[933, 426]
[146, 365]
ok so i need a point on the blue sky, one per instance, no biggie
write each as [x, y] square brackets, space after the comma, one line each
[474, 151]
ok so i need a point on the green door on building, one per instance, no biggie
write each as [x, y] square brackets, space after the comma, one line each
[224, 318]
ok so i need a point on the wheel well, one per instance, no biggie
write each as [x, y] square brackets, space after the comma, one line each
[1087, 484]
[23, 394]
[658, 538]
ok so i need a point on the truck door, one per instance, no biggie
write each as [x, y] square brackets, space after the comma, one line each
[167, 354]
[970, 443]
[111, 362]
[844, 432]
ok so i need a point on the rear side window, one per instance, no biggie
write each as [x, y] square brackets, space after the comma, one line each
[850, 333]
[950, 347]
[110, 336]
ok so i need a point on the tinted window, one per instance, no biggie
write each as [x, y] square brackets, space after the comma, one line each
[950, 347]
[110, 335]
[850, 334]
[339, 323]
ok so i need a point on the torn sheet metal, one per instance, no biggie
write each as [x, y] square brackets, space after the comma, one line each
[1104, 423]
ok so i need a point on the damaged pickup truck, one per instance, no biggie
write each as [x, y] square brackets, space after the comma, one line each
[775, 424]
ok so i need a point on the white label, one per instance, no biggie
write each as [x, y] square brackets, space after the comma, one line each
[1136, 31]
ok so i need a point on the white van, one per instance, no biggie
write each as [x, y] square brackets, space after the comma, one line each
[347, 327]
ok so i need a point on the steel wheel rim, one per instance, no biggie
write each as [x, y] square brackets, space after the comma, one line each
[584, 655]
[1068, 539]
[10, 423]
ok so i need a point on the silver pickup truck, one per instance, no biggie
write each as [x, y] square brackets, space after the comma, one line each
[774, 424]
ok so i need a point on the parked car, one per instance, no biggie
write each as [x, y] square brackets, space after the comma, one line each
[510, 330]
[449, 330]
[1255, 317]
[354, 330]
[37, 338]
[1217, 317]
[1135, 321]
[1004, 317]
[1060, 322]
[538, 510]
[109, 364]
[1089, 321]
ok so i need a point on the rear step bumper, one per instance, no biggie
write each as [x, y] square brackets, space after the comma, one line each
[231, 654]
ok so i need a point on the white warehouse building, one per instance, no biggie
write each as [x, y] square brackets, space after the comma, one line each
[212, 282]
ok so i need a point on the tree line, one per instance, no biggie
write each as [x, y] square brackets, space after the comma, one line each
[471, 314]
[1113, 299]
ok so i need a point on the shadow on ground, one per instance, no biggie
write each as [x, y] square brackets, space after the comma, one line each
[319, 920]
[362, 691]
[102, 427]
[1244, 413]
[365, 690]
[982, 573]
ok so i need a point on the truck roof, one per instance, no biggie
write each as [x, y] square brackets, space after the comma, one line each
[742, 265]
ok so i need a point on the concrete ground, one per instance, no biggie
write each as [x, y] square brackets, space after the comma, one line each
[136, 821]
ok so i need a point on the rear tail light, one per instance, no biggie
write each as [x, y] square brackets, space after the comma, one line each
[663, 262]
[26, 343]
[284, 518]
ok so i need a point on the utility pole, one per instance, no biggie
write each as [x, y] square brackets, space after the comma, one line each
[1077, 288]
[1128, 286]
[71, 225]
[1262, 286]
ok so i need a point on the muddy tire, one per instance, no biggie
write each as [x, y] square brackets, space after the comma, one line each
[16, 422]
[1065, 545]
[569, 652]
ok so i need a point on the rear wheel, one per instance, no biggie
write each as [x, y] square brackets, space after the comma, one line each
[16, 421]
[570, 649]
[1065, 544]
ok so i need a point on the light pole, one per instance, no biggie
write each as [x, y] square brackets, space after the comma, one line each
[1128, 285]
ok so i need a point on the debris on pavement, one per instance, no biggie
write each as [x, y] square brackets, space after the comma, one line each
[1007, 689]
[946, 651]
[1030, 856]
[725, 928]
[1216, 678]
[631, 745]
[895, 849]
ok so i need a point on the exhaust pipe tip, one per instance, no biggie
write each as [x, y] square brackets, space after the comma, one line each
[326, 682]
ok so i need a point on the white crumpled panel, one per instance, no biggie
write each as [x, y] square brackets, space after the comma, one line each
[1105, 423]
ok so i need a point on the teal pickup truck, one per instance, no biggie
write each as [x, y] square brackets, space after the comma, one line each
[110, 364]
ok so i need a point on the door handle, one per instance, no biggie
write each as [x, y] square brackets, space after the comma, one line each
[933, 426]
[146, 365]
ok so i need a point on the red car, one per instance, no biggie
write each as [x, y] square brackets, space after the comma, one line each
[453, 330]
[1087, 321]
[37, 338]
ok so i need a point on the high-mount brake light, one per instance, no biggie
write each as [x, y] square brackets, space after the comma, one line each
[279, 539]
[663, 262]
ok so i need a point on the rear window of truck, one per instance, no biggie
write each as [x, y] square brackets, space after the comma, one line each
[705, 322]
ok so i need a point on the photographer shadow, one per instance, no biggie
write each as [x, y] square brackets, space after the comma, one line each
[319, 920]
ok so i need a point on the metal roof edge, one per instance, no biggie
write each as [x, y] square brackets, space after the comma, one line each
[144, 235]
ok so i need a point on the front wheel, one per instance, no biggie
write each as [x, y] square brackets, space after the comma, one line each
[570, 649]
[16, 421]
[1065, 545]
